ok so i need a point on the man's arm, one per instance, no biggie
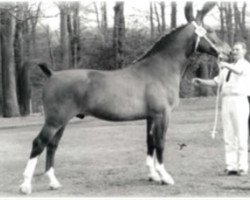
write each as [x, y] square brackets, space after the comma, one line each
[204, 82]
[230, 67]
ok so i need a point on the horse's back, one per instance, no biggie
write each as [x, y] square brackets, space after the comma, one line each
[111, 95]
[116, 95]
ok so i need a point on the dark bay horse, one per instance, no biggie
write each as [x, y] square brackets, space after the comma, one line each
[148, 89]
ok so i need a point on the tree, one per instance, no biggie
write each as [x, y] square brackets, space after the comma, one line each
[151, 18]
[34, 16]
[222, 21]
[163, 21]
[64, 40]
[119, 34]
[49, 41]
[240, 24]
[10, 104]
[173, 14]
[74, 34]
[104, 19]
[157, 18]
[97, 15]
[22, 66]
[229, 23]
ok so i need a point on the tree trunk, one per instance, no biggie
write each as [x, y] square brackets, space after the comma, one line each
[34, 21]
[73, 30]
[229, 23]
[151, 18]
[243, 22]
[104, 22]
[10, 104]
[163, 21]
[237, 21]
[26, 32]
[119, 34]
[64, 42]
[240, 24]
[173, 14]
[157, 18]
[22, 71]
[49, 41]
[76, 26]
[222, 21]
[97, 15]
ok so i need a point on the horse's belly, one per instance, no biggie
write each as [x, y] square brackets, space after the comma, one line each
[118, 109]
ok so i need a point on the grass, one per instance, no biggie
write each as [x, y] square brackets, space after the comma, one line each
[104, 159]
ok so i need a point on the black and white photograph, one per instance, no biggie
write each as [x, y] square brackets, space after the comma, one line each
[124, 99]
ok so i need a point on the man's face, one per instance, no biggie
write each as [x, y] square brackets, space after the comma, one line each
[238, 52]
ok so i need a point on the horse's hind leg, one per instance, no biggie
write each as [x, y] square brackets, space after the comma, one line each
[39, 143]
[161, 123]
[150, 162]
[50, 159]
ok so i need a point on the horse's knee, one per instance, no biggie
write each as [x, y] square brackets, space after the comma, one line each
[53, 143]
[51, 147]
[41, 141]
[37, 147]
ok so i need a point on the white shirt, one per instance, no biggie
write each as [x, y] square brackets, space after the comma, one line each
[238, 84]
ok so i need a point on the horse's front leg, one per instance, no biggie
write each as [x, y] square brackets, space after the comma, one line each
[150, 161]
[161, 122]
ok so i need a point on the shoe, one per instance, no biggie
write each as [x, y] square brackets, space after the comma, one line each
[242, 172]
[231, 172]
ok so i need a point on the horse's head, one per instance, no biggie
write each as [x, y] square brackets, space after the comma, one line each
[205, 39]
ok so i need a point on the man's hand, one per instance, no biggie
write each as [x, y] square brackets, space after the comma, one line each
[222, 65]
[196, 81]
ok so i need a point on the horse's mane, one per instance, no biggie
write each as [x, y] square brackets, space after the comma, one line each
[160, 44]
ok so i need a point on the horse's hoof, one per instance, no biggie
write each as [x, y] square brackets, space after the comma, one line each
[25, 189]
[155, 178]
[150, 179]
[55, 186]
[169, 181]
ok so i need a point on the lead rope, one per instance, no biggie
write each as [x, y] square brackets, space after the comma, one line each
[216, 110]
[201, 32]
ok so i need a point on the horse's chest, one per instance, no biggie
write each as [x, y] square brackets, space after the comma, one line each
[159, 97]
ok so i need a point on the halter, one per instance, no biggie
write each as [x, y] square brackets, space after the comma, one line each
[201, 32]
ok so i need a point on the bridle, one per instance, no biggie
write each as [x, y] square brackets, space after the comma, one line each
[202, 33]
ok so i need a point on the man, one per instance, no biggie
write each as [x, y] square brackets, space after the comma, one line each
[234, 80]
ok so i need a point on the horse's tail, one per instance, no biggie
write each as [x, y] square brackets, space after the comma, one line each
[46, 70]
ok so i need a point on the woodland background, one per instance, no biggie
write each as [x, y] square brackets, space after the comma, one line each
[81, 43]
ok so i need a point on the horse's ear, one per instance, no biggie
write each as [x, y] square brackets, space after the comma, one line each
[206, 8]
[189, 11]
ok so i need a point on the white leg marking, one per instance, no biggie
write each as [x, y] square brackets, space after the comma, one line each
[153, 175]
[26, 187]
[54, 183]
[166, 178]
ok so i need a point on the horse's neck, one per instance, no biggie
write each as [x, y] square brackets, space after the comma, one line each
[173, 55]
[178, 54]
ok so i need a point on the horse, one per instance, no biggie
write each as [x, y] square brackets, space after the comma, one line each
[147, 89]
